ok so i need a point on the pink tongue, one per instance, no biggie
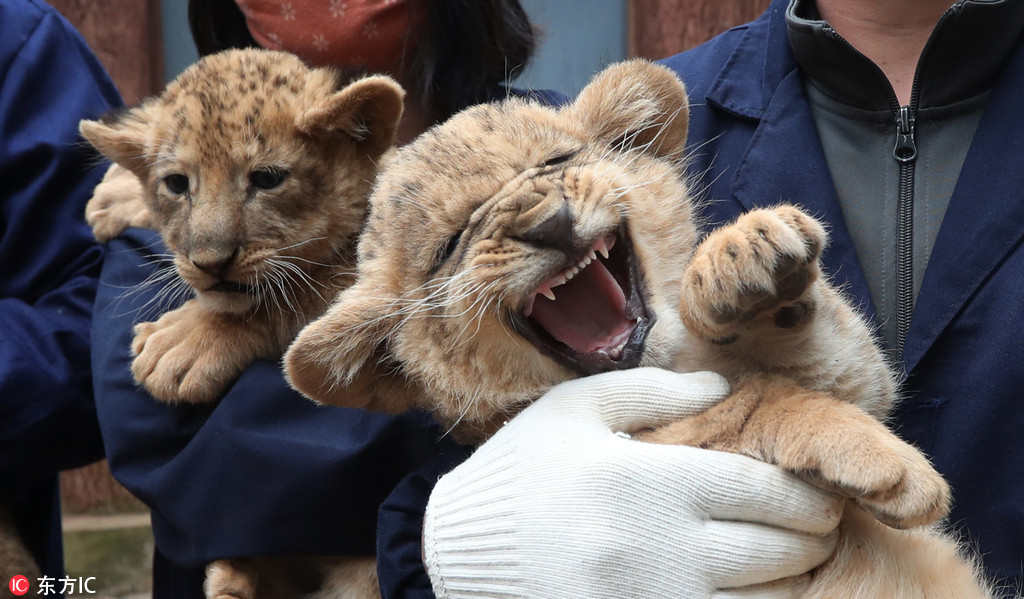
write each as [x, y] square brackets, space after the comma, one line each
[588, 312]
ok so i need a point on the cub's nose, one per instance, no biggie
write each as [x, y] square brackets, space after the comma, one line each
[553, 232]
[214, 262]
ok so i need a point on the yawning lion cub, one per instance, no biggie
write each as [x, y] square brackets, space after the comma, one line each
[517, 246]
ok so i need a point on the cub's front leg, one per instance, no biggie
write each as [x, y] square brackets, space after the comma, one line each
[826, 441]
[755, 295]
[192, 354]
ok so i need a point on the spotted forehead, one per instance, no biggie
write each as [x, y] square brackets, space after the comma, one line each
[229, 98]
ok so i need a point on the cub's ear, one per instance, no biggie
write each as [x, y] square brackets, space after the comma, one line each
[637, 104]
[342, 358]
[367, 110]
[121, 136]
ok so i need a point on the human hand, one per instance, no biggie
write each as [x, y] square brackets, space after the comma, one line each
[557, 504]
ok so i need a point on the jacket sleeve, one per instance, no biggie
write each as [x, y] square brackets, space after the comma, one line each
[49, 262]
[263, 470]
[400, 566]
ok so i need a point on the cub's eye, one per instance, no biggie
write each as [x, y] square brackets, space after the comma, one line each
[176, 183]
[267, 178]
[559, 158]
[449, 248]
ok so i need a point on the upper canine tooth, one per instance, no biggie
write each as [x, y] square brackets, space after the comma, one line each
[548, 293]
[608, 243]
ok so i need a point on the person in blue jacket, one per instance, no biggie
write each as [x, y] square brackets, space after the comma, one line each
[899, 124]
[917, 164]
[49, 265]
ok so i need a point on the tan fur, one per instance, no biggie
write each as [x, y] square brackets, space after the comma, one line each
[117, 203]
[471, 223]
[292, 578]
[262, 259]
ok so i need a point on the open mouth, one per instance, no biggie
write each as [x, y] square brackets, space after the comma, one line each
[592, 315]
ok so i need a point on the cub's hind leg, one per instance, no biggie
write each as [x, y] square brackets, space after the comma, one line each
[872, 560]
[292, 577]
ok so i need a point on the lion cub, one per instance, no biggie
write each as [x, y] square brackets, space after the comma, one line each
[517, 246]
[255, 170]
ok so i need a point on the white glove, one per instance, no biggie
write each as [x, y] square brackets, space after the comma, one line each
[558, 505]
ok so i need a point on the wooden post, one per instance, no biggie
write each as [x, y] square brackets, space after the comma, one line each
[661, 28]
[126, 36]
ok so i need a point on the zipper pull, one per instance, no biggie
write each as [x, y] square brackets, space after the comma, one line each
[905, 150]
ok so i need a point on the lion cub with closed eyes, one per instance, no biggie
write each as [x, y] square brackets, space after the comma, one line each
[517, 246]
[255, 170]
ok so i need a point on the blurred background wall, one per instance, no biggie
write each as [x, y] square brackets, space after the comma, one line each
[146, 42]
[578, 38]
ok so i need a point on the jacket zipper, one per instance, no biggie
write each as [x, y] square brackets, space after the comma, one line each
[905, 154]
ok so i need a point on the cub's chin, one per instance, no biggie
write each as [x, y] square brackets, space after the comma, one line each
[227, 298]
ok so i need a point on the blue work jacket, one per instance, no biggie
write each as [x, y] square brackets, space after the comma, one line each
[758, 146]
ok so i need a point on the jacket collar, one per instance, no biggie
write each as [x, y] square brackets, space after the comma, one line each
[763, 56]
[983, 222]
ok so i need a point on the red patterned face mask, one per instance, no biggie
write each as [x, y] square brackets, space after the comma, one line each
[356, 33]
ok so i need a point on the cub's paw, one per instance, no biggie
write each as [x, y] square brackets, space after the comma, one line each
[920, 497]
[885, 475]
[117, 203]
[182, 358]
[757, 269]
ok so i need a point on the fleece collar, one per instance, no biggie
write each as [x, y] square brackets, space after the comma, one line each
[955, 65]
